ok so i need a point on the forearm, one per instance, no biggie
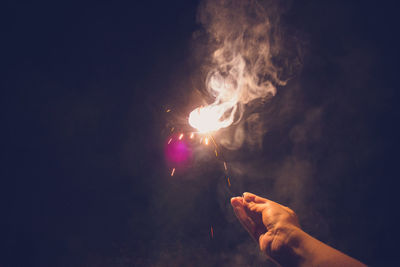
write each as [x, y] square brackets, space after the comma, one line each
[303, 250]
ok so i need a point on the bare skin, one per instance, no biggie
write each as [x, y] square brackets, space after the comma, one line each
[277, 231]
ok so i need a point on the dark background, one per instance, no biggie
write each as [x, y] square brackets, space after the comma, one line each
[84, 182]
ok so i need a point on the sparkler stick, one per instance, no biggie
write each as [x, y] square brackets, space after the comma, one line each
[205, 136]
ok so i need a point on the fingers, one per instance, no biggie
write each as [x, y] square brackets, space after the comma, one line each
[244, 219]
[249, 197]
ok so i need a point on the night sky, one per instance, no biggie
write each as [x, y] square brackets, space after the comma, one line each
[84, 180]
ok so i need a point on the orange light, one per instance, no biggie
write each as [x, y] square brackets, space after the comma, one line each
[229, 182]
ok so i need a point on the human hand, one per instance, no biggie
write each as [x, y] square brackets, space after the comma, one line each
[269, 223]
[277, 231]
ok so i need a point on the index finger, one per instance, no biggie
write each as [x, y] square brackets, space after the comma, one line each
[250, 197]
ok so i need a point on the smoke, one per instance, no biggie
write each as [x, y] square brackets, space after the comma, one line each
[248, 61]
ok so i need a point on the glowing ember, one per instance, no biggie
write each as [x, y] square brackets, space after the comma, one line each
[210, 118]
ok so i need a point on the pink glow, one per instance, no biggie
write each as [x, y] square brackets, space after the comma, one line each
[177, 152]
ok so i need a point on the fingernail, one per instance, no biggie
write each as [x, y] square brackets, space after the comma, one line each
[234, 203]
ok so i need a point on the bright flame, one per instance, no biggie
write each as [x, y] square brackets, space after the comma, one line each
[209, 119]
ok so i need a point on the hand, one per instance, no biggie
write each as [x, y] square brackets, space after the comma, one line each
[277, 231]
[268, 222]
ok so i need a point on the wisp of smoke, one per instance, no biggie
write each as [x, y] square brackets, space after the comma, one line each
[245, 39]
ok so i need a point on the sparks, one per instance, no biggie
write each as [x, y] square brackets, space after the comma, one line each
[173, 171]
[206, 141]
[229, 182]
[212, 232]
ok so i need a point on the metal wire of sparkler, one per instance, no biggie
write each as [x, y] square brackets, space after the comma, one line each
[218, 154]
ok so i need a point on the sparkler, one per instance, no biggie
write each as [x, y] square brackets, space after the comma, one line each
[242, 69]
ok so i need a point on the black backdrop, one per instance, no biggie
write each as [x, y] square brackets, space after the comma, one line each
[84, 88]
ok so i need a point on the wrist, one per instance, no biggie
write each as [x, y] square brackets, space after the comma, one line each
[286, 247]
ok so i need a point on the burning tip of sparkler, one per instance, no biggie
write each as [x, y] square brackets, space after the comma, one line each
[209, 119]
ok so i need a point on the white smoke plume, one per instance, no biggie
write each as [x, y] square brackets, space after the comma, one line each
[245, 64]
